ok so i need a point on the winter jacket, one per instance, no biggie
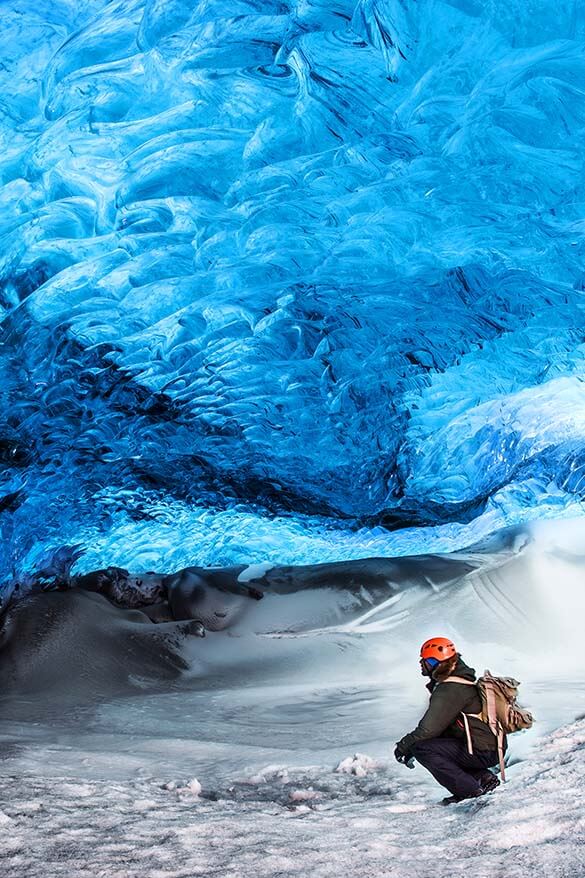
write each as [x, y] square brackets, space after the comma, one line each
[443, 717]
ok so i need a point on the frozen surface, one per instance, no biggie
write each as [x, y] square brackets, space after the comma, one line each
[300, 821]
[276, 274]
[264, 748]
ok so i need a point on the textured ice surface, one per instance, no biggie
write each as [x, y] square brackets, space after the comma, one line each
[386, 824]
[275, 271]
[276, 276]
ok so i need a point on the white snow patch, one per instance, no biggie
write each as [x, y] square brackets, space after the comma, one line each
[269, 773]
[255, 571]
[529, 832]
[192, 788]
[359, 764]
[29, 808]
[256, 779]
[144, 804]
[301, 809]
[304, 795]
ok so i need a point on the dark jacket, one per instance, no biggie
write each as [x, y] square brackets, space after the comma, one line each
[443, 717]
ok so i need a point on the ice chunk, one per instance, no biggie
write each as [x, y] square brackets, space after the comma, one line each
[359, 764]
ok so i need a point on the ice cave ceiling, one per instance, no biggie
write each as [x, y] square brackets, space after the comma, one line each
[278, 269]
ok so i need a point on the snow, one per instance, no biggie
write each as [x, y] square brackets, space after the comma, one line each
[358, 764]
[193, 787]
[271, 755]
[304, 795]
[254, 571]
[140, 828]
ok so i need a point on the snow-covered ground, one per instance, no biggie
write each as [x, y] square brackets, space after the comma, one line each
[380, 821]
[229, 768]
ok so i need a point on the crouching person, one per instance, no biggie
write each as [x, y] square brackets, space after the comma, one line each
[457, 747]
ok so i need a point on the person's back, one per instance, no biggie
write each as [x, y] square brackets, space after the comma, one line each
[451, 741]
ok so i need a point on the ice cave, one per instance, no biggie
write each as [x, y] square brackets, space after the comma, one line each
[292, 379]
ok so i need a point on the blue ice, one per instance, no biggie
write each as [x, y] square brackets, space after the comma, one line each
[278, 278]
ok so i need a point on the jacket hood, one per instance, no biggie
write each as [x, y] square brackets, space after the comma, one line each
[463, 670]
[460, 670]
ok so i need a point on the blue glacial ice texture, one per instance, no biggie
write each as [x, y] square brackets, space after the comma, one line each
[315, 259]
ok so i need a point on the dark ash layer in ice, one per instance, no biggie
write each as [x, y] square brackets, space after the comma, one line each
[95, 634]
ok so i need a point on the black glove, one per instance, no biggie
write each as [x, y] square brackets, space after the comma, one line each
[255, 593]
[404, 758]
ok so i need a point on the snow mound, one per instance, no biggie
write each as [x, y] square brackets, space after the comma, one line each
[358, 764]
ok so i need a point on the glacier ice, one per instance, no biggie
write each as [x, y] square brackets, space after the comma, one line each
[345, 823]
[280, 277]
[286, 282]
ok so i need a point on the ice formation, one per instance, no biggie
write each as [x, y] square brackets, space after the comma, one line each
[391, 829]
[286, 282]
[277, 274]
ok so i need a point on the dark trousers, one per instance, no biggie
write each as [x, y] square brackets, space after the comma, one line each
[451, 765]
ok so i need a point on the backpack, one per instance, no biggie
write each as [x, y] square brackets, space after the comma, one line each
[499, 710]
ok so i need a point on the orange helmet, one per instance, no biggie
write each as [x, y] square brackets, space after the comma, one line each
[438, 648]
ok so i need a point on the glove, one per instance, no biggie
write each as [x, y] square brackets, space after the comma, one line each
[404, 758]
[255, 593]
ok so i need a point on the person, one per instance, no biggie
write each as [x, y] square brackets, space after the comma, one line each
[439, 742]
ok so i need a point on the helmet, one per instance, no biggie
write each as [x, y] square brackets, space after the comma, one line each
[438, 648]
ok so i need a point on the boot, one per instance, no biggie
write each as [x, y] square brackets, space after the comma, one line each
[488, 782]
[450, 800]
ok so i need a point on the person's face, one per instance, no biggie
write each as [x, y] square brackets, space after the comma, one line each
[427, 666]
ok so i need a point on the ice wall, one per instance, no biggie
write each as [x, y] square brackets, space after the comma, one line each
[275, 274]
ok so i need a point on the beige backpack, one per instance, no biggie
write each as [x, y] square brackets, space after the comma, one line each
[499, 709]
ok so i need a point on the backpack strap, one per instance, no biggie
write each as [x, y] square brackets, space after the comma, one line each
[465, 715]
[501, 753]
[458, 680]
[494, 723]
[467, 734]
